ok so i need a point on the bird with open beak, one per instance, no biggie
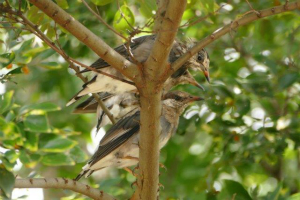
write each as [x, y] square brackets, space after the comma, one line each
[119, 147]
[140, 48]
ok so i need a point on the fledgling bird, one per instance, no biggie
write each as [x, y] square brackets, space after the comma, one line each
[141, 48]
[119, 147]
[121, 104]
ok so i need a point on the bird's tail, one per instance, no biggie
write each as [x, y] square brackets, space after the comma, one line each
[82, 173]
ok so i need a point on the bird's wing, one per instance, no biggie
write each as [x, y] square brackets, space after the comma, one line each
[122, 49]
[106, 149]
[76, 97]
[90, 105]
[123, 125]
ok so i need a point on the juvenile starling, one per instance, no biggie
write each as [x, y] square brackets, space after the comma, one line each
[119, 147]
[121, 104]
[141, 48]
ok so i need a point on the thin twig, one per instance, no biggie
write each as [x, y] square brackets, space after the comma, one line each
[189, 23]
[118, 3]
[33, 29]
[102, 21]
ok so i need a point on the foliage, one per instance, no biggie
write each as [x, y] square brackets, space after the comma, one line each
[241, 143]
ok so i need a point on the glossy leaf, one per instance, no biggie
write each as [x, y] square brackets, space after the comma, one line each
[37, 123]
[30, 160]
[45, 106]
[101, 2]
[63, 4]
[6, 101]
[57, 144]
[6, 59]
[57, 159]
[124, 19]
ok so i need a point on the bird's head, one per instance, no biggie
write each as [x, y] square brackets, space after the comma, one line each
[179, 100]
[201, 61]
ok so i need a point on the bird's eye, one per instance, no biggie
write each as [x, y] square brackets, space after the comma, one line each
[177, 98]
[200, 57]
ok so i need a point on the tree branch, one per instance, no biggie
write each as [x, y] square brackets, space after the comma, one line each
[61, 183]
[253, 16]
[33, 29]
[150, 101]
[156, 62]
[83, 34]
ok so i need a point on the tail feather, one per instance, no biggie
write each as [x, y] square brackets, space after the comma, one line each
[82, 173]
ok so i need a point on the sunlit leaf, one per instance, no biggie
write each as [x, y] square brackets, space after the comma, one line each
[6, 101]
[57, 144]
[30, 160]
[45, 106]
[11, 156]
[124, 19]
[101, 2]
[37, 123]
[63, 4]
[57, 159]
[6, 59]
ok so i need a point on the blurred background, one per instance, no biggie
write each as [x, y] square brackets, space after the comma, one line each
[242, 142]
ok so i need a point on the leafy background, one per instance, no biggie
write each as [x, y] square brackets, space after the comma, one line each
[242, 142]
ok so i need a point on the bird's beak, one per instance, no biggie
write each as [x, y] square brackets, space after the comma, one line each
[206, 74]
[195, 83]
[195, 98]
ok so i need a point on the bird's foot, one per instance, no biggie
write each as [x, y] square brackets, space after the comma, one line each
[130, 171]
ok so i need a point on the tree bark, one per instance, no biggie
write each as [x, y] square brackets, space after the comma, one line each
[61, 183]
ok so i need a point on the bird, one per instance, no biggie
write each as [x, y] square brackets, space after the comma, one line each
[121, 104]
[140, 48]
[120, 145]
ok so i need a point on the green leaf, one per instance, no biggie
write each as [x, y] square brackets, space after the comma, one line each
[10, 129]
[147, 7]
[208, 5]
[235, 188]
[6, 101]
[10, 116]
[275, 194]
[101, 2]
[50, 65]
[17, 70]
[8, 165]
[7, 181]
[30, 160]
[63, 4]
[45, 106]
[287, 80]
[6, 59]
[294, 197]
[31, 142]
[57, 159]
[37, 123]
[78, 154]
[11, 156]
[57, 144]
[120, 23]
